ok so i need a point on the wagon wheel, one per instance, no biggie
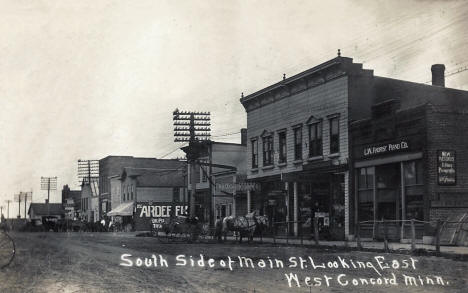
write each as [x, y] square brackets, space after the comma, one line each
[7, 249]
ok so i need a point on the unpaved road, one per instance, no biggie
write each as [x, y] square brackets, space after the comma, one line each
[92, 262]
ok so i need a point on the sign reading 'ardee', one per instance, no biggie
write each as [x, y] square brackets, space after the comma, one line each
[154, 213]
[386, 148]
[446, 168]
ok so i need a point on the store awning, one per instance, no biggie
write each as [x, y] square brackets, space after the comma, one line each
[124, 209]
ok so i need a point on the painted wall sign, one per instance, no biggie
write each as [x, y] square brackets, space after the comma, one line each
[154, 213]
[385, 148]
[446, 168]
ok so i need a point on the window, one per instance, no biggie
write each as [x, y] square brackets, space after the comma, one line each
[413, 172]
[204, 172]
[176, 194]
[267, 150]
[282, 147]
[254, 153]
[334, 135]
[298, 143]
[366, 193]
[315, 139]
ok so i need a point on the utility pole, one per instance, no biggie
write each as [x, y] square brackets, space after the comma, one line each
[18, 198]
[48, 183]
[8, 208]
[88, 172]
[26, 196]
[194, 128]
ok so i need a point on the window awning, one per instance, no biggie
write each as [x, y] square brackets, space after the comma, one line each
[124, 209]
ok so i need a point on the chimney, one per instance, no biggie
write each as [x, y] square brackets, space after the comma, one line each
[243, 136]
[438, 74]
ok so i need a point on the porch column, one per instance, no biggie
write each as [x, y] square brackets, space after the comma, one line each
[296, 226]
[403, 200]
[248, 200]
[234, 192]
[286, 201]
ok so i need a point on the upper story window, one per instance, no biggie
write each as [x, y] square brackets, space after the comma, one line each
[268, 150]
[254, 158]
[282, 147]
[204, 171]
[334, 135]
[298, 143]
[315, 139]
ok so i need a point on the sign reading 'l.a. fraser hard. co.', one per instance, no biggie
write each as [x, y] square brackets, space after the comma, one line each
[385, 148]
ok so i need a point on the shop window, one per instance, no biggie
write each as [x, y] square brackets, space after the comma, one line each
[366, 193]
[298, 143]
[176, 194]
[267, 150]
[315, 139]
[334, 135]
[282, 147]
[254, 153]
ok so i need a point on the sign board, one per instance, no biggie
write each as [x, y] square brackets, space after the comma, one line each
[385, 148]
[154, 213]
[241, 186]
[446, 168]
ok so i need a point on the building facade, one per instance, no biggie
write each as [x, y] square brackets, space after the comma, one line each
[220, 164]
[111, 166]
[148, 195]
[71, 200]
[339, 144]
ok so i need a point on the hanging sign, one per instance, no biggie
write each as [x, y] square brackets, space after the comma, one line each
[446, 168]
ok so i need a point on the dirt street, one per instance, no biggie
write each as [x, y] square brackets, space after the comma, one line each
[107, 262]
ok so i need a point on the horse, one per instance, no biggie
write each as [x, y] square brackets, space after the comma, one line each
[244, 225]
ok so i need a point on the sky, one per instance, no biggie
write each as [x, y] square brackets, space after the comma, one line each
[87, 79]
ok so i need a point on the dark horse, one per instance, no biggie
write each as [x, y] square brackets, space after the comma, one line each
[244, 225]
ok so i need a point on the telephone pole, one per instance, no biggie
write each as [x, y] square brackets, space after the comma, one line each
[194, 128]
[17, 197]
[48, 183]
[26, 196]
[8, 208]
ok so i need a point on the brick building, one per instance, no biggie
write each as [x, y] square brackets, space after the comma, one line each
[338, 143]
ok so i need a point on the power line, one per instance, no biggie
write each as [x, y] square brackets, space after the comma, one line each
[457, 71]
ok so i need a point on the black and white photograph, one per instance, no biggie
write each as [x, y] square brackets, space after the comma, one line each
[234, 146]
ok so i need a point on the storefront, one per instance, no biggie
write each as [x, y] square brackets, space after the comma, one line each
[390, 187]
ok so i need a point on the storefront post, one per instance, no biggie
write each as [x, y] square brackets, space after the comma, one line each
[403, 200]
[295, 209]
[286, 200]
[234, 192]
[248, 200]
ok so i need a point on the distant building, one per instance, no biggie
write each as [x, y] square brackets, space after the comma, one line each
[147, 195]
[71, 200]
[38, 211]
[111, 166]
[90, 200]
